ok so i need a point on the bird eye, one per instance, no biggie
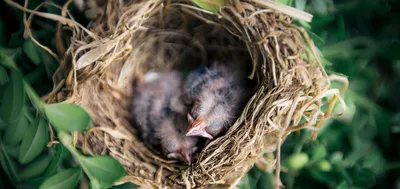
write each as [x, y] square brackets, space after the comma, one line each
[166, 111]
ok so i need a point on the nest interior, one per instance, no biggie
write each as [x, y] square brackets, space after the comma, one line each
[134, 36]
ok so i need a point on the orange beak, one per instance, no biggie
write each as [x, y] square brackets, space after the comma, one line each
[198, 128]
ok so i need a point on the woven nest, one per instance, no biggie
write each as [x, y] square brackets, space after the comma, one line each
[132, 36]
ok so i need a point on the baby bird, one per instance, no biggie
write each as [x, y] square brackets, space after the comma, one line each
[159, 114]
[173, 140]
[218, 94]
[150, 97]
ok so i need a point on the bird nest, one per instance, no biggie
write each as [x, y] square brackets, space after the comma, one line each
[133, 36]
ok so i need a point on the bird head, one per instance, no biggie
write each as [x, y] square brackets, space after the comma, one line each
[184, 153]
[187, 153]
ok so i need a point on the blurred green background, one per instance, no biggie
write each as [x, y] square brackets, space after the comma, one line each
[356, 38]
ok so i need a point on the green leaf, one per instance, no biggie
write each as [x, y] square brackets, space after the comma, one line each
[16, 131]
[336, 158]
[364, 177]
[30, 184]
[35, 168]
[32, 51]
[56, 160]
[317, 39]
[3, 76]
[66, 179]
[296, 161]
[34, 140]
[8, 164]
[345, 174]
[324, 165]
[94, 184]
[13, 98]
[13, 151]
[28, 114]
[210, 5]
[375, 161]
[324, 177]
[106, 175]
[343, 185]
[318, 152]
[341, 28]
[67, 117]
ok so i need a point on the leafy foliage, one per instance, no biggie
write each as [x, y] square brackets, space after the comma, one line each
[25, 156]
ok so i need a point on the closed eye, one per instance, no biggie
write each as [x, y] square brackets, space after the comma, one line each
[166, 111]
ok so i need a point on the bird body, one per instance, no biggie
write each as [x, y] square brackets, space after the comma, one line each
[218, 94]
[160, 114]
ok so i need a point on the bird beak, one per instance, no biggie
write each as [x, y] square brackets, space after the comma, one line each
[186, 158]
[190, 118]
[197, 128]
[183, 155]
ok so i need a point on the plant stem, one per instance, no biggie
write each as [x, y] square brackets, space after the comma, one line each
[37, 103]
[66, 140]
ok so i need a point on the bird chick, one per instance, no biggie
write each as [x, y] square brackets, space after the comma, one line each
[158, 113]
[151, 95]
[219, 102]
[174, 143]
